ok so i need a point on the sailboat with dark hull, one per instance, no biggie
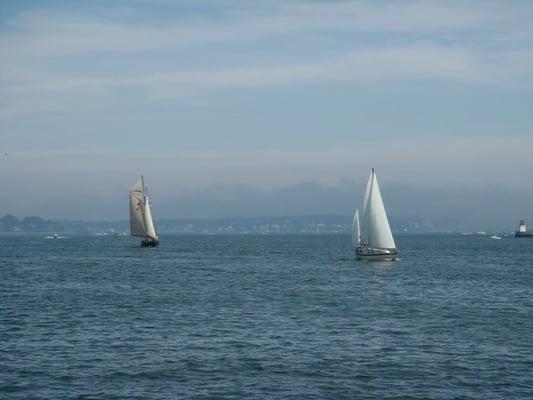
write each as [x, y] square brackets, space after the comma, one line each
[373, 238]
[141, 222]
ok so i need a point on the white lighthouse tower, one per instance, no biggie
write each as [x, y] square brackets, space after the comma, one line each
[522, 231]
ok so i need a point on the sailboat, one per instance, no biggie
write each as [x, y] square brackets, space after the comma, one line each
[141, 222]
[373, 238]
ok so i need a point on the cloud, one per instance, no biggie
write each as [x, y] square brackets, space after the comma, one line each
[51, 56]
[53, 33]
[419, 61]
[412, 63]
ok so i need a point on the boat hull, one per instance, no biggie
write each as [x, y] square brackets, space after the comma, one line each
[523, 235]
[150, 243]
[376, 255]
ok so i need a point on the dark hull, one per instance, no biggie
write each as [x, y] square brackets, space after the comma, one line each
[150, 243]
[523, 235]
[376, 255]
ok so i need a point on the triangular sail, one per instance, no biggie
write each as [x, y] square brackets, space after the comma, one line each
[148, 221]
[364, 231]
[356, 230]
[376, 228]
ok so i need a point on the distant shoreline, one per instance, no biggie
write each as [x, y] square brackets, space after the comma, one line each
[297, 224]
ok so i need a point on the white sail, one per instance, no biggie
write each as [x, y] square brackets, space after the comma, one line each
[356, 230]
[376, 229]
[139, 186]
[141, 222]
[148, 221]
[136, 217]
[364, 232]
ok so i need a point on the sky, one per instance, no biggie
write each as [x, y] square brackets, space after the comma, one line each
[236, 108]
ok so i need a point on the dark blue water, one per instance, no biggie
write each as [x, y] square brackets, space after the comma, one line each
[242, 317]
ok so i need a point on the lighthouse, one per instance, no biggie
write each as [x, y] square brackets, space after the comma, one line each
[522, 231]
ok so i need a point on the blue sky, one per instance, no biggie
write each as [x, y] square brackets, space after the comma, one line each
[205, 97]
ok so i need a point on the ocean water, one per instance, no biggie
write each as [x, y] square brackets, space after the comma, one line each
[265, 317]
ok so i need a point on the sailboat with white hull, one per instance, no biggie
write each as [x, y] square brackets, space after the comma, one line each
[373, 238]
[141, 222]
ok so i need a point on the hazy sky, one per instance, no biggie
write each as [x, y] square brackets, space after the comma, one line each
[240, 107]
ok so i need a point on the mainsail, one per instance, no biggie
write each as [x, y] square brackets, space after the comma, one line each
[356, 230]
[376, 231]
[136, 218]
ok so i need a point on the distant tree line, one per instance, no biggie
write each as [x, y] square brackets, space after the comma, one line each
[10, 223]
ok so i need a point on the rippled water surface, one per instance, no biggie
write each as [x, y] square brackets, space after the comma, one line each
[241, 317]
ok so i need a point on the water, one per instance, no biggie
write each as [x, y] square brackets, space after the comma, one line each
[241, 317]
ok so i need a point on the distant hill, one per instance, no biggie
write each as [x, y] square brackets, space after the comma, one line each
[241, 225]
[10, 223]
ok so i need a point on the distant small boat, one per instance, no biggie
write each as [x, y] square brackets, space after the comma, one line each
[373, 240]
[482, 233]
[141, 222]
[56, 236]
[495, 237]
[522, 231]
[466, 233]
